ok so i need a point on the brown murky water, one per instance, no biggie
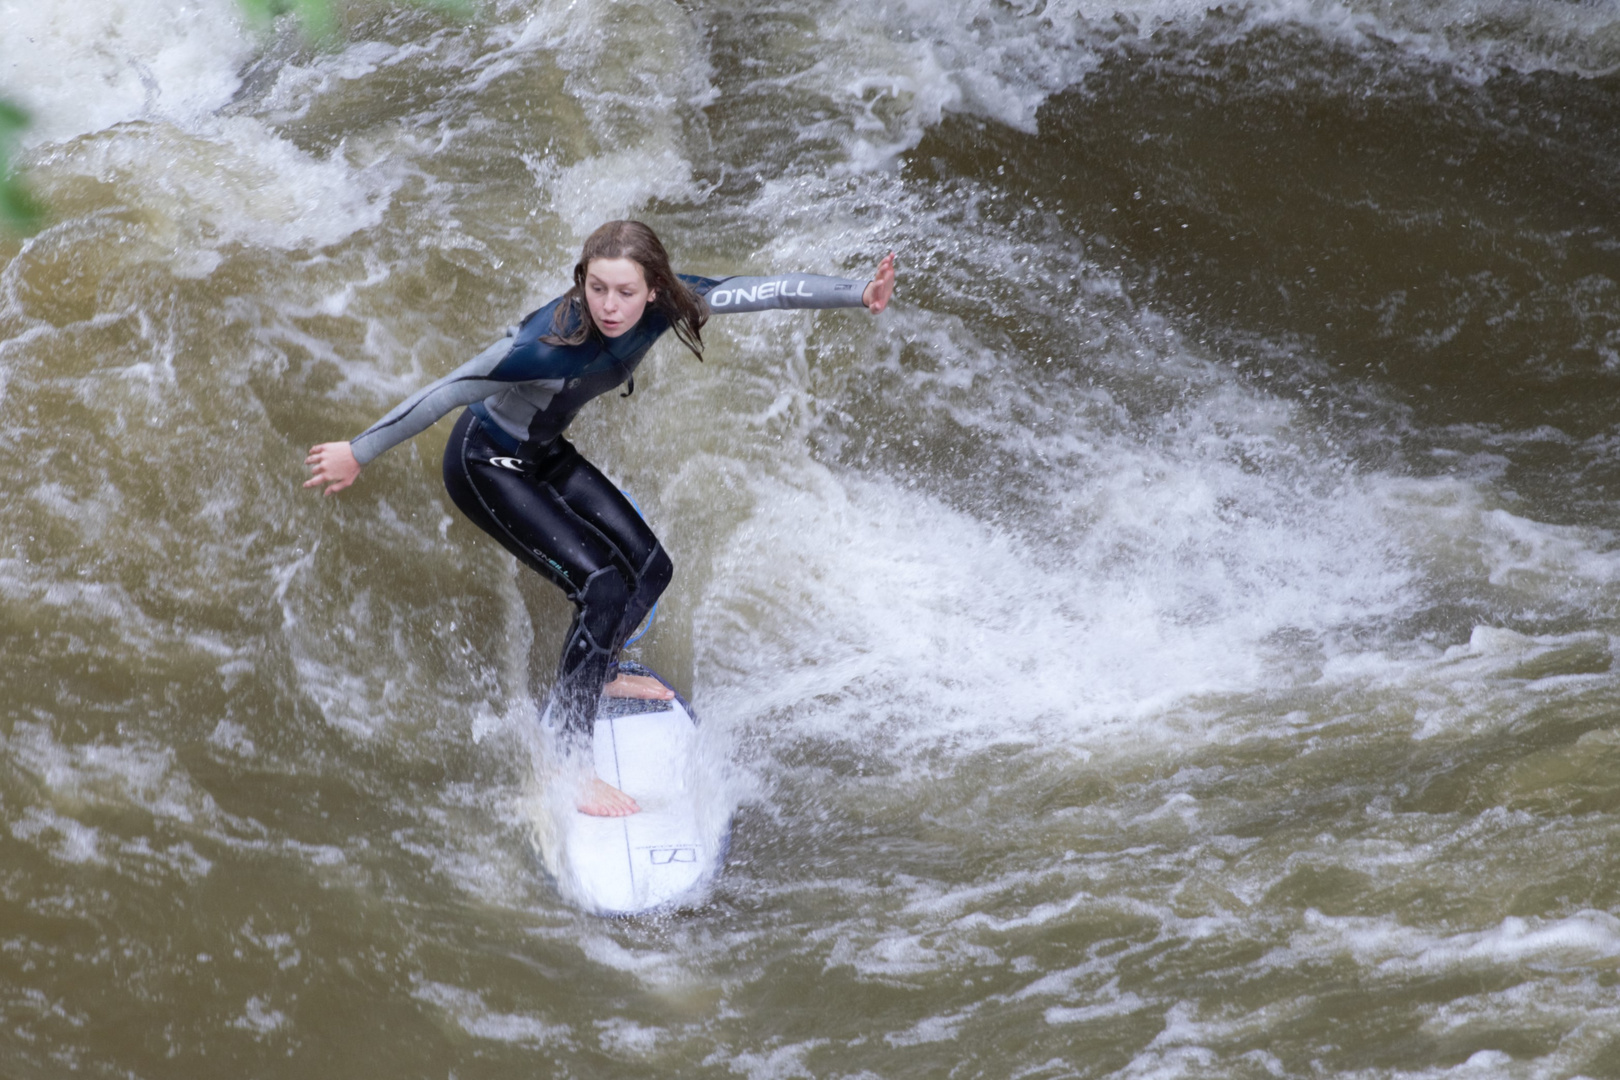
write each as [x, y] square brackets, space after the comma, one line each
[1175, 640]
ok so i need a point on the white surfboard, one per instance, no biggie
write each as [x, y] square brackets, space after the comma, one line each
[666, 854]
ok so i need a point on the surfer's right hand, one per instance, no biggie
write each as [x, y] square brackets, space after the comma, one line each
[332, 464]
[877, 292]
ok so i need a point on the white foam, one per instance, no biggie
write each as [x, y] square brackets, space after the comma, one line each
[75, 842]
[1119, 1005]
[898, 67]
[31, 999]
[778, 1063]
[897, 954]
[666, 967]
[925, 614]
[894, 69]
[1485, 1060]
[85, 67]
[632, 64]
[259, 1018]
[1460, 527]
[615, 185]
[1494, 681]
[55, 830]
[224, 180]
[469, 1011]
[1169, 554]
[232, 737]
[1388, 948]
[299, 86]
[376, 682]
[132, 773]
[1475, 40]
[129, 93]
[638, 71]
[1582, 1003]
[930, 1029]
[626, 1038]
[27, 583]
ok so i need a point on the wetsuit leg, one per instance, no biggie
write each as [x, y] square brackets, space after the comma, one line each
[564, 519]
[595, 498]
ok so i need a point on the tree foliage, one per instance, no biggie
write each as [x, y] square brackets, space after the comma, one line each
[19, 212]
[319, 18]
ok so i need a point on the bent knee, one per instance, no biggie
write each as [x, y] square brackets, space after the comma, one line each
[602, 602]
[656, 574]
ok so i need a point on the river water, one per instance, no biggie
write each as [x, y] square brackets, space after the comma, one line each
[1176, 639]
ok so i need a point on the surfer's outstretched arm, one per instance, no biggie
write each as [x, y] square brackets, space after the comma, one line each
[336, 465]
[734, 295]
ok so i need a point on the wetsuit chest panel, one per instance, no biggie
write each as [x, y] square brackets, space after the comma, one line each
[551, 383]
[595, 381]
[514, 407]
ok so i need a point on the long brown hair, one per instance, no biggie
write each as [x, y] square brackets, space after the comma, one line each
[571, 323]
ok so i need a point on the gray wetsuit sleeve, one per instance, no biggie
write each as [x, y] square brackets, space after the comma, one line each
[463, 386]
[783, 291]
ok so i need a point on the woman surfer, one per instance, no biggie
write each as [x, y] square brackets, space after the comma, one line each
[508, 468]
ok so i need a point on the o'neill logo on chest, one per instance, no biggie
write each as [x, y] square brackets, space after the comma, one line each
[515, 464]
[720, 298]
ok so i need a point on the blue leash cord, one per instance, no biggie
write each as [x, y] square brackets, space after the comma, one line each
[653, 614]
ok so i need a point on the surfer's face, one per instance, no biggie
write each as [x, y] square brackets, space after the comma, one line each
[616, 290]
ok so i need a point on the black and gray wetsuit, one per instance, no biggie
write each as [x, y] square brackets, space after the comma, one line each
[508, 468]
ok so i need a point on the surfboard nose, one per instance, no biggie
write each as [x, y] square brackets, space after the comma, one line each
[667, 853]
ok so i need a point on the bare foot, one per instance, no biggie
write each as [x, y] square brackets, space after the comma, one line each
[602, 799]
[638, 686]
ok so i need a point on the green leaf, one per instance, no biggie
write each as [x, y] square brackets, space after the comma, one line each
[20, 213]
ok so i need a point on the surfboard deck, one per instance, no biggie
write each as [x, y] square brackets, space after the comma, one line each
[666, 854]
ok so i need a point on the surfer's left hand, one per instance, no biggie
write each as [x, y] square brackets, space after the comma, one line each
[877, 292]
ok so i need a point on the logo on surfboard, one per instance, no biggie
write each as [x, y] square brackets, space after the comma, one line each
[663, 856]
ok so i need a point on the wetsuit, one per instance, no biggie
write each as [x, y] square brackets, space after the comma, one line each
[508, 468]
